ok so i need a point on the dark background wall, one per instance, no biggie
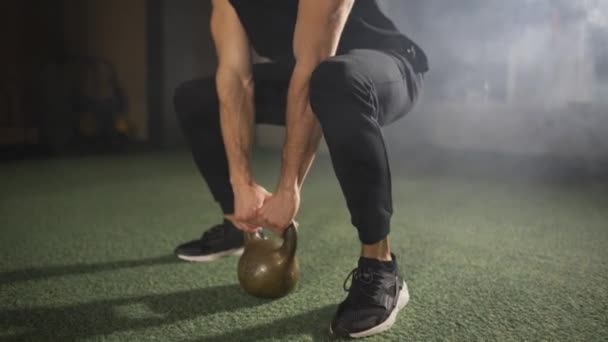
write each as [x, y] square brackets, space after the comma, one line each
[188, 53]
[489, 62]
[29, 35]
[35, 32]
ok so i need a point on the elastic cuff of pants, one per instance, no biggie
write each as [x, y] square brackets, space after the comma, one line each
[370, 234]
[227, 207]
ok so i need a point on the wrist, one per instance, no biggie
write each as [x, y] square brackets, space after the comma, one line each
[288, 187]
[241, 180]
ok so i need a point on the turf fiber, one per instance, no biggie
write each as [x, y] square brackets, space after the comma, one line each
[86, 254]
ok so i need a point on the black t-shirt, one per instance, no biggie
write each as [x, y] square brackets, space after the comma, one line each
[270, 26]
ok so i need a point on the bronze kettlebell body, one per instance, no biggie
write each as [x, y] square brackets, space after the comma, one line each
[267, 268]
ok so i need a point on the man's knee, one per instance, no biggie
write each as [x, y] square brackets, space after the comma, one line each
[341, 99]
[196, 98]
[335, 88]
[182, 97]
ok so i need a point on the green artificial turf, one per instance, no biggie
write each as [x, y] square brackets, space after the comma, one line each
[86, 248]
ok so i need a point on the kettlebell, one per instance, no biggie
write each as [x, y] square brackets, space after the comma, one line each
[268, 268]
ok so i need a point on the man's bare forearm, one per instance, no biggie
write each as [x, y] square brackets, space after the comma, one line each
[303, 132]
[237, 121]
[316, 37]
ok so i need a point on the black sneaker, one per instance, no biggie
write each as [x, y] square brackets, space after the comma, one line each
[219, 241]
[375, 297]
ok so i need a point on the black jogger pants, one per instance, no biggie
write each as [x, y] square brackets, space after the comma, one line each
[353, 95]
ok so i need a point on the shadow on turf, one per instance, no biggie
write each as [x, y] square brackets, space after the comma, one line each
[65, 270]
[314, 324]
[68, 323]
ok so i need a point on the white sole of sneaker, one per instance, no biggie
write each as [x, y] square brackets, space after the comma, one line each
[212, 257]
[404, 298]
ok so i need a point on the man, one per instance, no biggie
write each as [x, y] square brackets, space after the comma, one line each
[339, 68]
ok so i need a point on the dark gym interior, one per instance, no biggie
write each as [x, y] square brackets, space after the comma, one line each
[500, 179]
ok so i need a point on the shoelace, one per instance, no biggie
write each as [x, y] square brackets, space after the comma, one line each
[366, 284]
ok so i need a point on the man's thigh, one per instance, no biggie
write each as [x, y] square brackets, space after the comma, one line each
[392, 81]
[199, 97]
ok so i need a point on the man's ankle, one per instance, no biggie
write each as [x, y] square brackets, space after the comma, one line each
[379, 251]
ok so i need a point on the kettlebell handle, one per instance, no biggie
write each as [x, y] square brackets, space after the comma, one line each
[250, 237]
[290, 240]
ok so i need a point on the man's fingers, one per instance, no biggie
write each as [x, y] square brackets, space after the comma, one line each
[242, 225]
[267, 219]
[275, 229]
[257, 219]
[245, 216]
[250, 229]
[247, 228]
[250, 225]
[230, 218]
[268, 222]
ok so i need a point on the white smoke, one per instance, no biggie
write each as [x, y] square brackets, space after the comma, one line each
[517, 76]
[598, 13]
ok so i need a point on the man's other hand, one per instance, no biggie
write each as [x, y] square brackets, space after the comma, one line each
[248, 198]
[279, 210]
